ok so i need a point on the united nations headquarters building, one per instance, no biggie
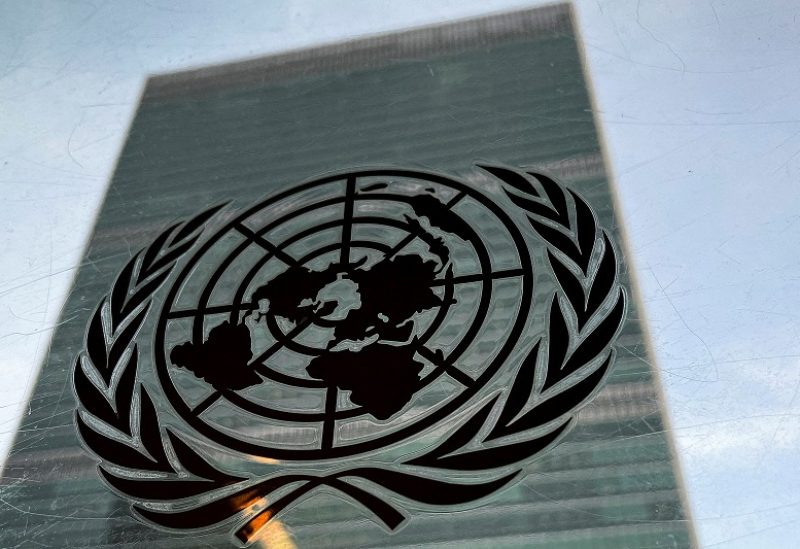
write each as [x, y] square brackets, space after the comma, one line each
[369, 294]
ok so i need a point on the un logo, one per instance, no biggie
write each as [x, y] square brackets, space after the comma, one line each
[378, 333]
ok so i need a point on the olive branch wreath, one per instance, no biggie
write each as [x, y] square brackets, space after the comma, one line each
[118, 422]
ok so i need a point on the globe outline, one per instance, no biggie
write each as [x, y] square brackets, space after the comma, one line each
[415, 425]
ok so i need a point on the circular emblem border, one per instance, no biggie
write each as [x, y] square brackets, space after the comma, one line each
[172, 485]
[416, 426]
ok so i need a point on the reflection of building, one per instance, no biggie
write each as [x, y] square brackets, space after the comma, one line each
[507, 88]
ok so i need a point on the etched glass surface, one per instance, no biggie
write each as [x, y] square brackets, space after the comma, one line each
[397, 118]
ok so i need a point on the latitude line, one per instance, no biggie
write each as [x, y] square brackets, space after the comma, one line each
[411, 236]
[478, 277]
[329, 422]
[449, 369]
[206, 404]
[266, 244]
[347, 227]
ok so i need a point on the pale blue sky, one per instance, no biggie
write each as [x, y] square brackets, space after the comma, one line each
[700, 106]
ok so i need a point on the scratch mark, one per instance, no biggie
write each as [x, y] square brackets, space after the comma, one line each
[654, 37]
[686, 325]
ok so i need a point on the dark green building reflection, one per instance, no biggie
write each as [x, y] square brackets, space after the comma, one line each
[510, 89]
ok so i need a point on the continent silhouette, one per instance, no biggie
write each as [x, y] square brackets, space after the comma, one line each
[222, 359]
[379, 368]
[382, 378]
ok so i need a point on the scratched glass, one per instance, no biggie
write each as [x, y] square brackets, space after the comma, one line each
[429, 107]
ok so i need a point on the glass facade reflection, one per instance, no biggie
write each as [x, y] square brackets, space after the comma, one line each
[508, 89]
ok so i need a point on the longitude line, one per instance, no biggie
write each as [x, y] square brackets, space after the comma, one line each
[203, 406]
[329, 423]
[456, 199]
[450, 369]
[478, 277]
[347, 226]
[275, 347]
[183, 313]
[266, 244]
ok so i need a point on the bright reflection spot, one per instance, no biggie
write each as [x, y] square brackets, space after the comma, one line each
[273, 535]
[259, 459]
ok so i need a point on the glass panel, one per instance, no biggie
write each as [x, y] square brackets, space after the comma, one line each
[401, 283]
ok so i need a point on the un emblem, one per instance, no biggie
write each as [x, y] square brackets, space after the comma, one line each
[374, 333]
